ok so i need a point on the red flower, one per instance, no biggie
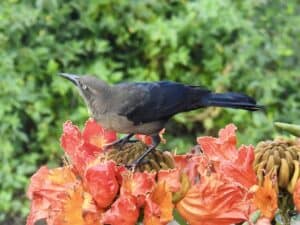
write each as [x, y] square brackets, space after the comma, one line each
[84, 148]
[148, 140]
[96, 135]
[215, 200]
[101, 183]
[123, 211]
[144, 138]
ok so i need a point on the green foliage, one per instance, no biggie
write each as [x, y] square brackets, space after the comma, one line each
[246, 46]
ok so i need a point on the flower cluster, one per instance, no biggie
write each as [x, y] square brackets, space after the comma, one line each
[217, 185]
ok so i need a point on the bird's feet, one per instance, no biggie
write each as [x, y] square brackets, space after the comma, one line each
[140, 159]
[120, 142]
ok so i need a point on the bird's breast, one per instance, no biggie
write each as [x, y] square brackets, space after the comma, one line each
[121, 124]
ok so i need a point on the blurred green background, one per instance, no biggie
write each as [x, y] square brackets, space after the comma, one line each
[226, 45]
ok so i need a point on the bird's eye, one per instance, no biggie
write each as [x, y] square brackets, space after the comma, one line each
[84, 87]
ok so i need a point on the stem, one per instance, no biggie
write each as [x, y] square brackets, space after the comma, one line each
[284, 205]
[291, 128]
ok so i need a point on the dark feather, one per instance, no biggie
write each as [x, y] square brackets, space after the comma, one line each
[158, 101]
[165, 99]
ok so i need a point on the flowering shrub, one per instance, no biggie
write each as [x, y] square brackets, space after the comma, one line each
[216, 186]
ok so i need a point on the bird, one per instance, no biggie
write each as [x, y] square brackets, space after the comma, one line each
[145, 107]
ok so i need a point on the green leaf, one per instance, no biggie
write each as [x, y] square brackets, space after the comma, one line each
[178, 218]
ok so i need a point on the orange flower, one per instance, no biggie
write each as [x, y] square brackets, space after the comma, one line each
[39, 205]
[159, 206]
[222, 148]
[227, 159]
[241, 170]
[102, 183]
[123, 211]
[296, 195]
[84, 148]
[137, 184]
[209, 188]
[215, 200]
[56, 196]
[265, 198]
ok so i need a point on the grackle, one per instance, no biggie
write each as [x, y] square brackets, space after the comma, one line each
[145, 107]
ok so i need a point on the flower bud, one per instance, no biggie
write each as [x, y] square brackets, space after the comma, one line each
[279, 157]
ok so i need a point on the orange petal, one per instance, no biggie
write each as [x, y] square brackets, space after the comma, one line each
[222, 148]
[161, 135]
[102, 183]
[265, 198]
[214, 200]
[159, 206]
[84, 148]
[96, 135]
[72, 207]
[191, 164]
[296, 195]
[123, 211]
[138, 183]
[227, 159]
[171, 177]
[39, 209]
[241, 170]
[48, 192]
[227, 135]
[72, 211]
[71, 138]
[79, 151]
[92, 219]
[62, 176]
[37, 181]
[91, 214]
[144, 138]
[89, 205]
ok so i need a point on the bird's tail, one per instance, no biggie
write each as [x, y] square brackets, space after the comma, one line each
[232, 100]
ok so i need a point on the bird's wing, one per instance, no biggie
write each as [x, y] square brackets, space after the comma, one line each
[147, 102]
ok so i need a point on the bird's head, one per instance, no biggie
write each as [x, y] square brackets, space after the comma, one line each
[90, 87]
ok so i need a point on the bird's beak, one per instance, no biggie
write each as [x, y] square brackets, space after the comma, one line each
[71, 77]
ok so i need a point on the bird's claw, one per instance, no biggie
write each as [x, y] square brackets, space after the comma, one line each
[107, 146]
[120, 142]
[135, 163]
[131, 166]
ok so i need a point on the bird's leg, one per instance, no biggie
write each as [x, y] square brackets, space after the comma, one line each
[155, 142]
[120, 141]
